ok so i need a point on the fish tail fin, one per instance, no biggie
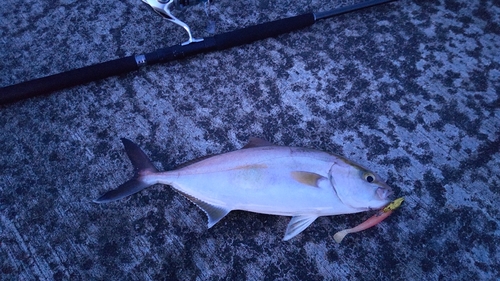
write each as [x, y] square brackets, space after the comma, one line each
[142, 169]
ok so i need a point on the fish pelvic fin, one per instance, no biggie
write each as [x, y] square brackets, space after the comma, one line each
[297, 224]
[142, 168]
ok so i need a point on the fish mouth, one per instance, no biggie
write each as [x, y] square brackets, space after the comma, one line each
[384, 192]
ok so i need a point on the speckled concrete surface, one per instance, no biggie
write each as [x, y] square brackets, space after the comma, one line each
[409, 89]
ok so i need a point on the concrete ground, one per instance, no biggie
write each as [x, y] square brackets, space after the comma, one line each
[409, 89]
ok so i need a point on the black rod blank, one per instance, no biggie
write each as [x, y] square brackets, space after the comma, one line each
[48, 84]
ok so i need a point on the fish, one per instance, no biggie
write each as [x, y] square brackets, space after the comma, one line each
[372, 221]
[264, 178]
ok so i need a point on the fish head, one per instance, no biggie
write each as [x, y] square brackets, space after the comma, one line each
[357, 186]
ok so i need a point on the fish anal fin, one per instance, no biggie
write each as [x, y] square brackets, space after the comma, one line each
[297, 224]
[307, 178]
[256, 142]
[214, 213]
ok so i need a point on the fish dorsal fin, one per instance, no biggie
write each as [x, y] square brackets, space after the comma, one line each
[308, 178]
[297, 224]
[256, 142]
[214, 213]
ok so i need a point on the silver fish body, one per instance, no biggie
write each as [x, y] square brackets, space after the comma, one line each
[265, 178]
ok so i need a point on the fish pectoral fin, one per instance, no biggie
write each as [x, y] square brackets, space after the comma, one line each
[308, 178]
[297, 224]
[256, 142]
[214, 213]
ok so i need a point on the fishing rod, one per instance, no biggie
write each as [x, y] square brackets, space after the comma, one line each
[193, 46]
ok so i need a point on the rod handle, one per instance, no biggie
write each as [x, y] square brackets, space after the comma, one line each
[45, 85]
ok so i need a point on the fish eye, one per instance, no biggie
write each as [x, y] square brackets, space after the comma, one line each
[369, 177]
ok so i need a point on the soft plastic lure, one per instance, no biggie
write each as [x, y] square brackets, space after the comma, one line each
[377, 218]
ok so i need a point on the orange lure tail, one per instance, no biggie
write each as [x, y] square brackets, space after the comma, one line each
[377, 218]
